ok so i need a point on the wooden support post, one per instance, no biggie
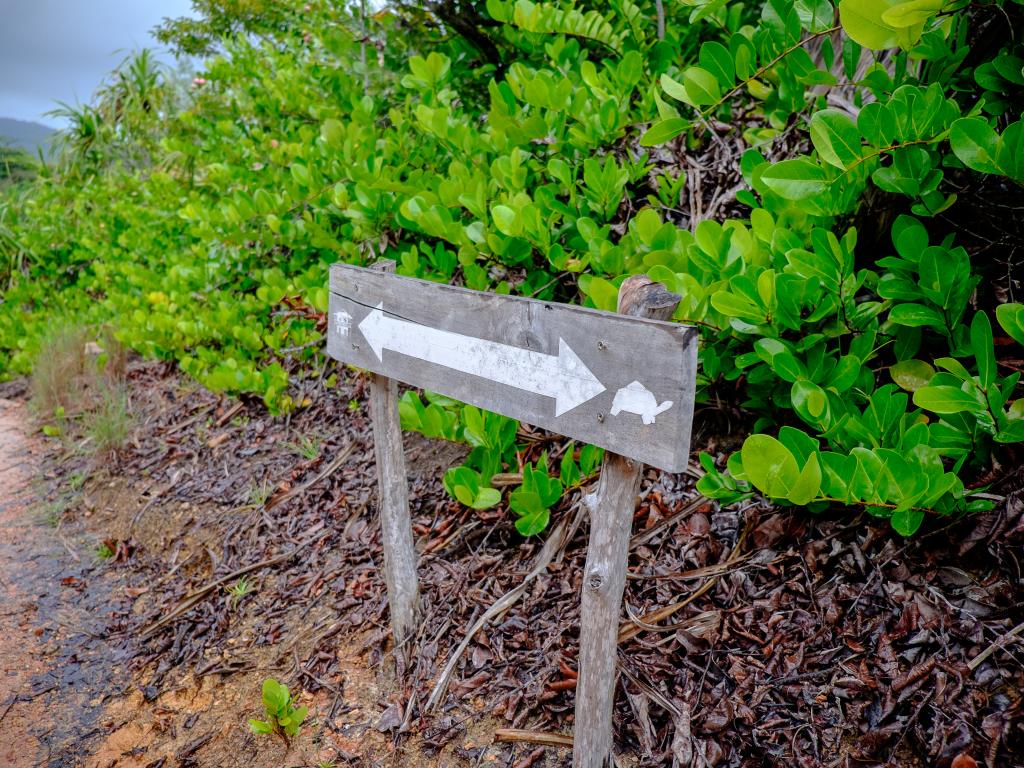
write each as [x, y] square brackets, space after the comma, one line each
[400, 557]
[604, 576]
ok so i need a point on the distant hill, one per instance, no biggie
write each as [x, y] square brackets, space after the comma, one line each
[25, 135]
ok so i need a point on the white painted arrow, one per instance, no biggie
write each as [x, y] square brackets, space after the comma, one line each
[563, 376]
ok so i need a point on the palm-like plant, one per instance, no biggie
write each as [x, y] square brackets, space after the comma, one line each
[82, 138]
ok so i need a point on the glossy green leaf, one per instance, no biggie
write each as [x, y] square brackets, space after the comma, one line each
[906, 521]
[675, 89]
[916, 315]
[716, 59]
[911, 12]
[702, 88]
[912, 375]
[975, 143]
[1011, 318]
[795, 179]
[664, 130]
[945, 400]
[835, 137]
[862, 21]
[505, 220]
[815, 15]
[984, 351]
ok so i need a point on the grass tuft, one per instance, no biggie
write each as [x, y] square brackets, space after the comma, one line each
[59, 373]
[109, 423]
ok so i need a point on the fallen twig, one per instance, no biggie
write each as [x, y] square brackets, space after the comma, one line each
[328, 470]
[558, 538]
[630, 629]
[974, 663]
[532, 737]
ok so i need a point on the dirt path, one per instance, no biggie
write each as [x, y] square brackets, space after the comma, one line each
[21, 651]
[58, 655]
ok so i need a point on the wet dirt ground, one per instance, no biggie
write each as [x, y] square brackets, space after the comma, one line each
[59, 665]
[792, 640]
[68, 696]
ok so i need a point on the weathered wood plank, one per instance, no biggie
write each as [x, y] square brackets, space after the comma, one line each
[604, 575]
[396, 526]
[623, 383]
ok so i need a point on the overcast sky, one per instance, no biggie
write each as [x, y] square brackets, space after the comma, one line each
[60, 50]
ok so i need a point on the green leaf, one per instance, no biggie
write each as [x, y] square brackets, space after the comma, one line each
[916, 315]
[258, 726]
[716, 59]
[675, 89]
[906, 521]
[815, 15]
[486, 498]
[810, 402]
[911, 13]
[602, 292]
[975, 143]
[333, 133]
[505, 220]
[664, 130]
[984, 350]
[1016, 411]
[835, 137]
[275, 695]
[946, 400]
[807, 484]
[701, 87]
[1010, 154]
[1013, 433]
[795, 179]
[533, 522]
[780, 359]
[301, 174]
[731, 305]
[1011, 318]
[912, 375]
[769, 466]
[862, 21]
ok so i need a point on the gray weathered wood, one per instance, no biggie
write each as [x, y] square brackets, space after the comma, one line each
[644, 364]
[396, 527]
[604, 575]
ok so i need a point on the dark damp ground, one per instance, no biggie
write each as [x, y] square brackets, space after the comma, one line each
[762, 637]
[61, 653]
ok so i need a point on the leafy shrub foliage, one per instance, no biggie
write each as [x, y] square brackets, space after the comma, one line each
[550, 149]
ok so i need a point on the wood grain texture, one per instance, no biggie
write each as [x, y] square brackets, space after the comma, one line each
[400, 557]
[659, 356]
[604, 575]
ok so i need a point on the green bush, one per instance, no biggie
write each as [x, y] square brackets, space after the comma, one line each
[546, 150]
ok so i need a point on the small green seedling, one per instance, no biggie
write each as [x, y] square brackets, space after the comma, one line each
[306, 447]
[283, 719]
[57, 428]
[258, 493]
[104, 551]
[238, 590]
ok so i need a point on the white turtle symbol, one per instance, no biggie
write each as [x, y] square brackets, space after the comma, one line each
[636, 398]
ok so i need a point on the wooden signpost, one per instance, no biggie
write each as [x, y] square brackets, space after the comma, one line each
[624, 382]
